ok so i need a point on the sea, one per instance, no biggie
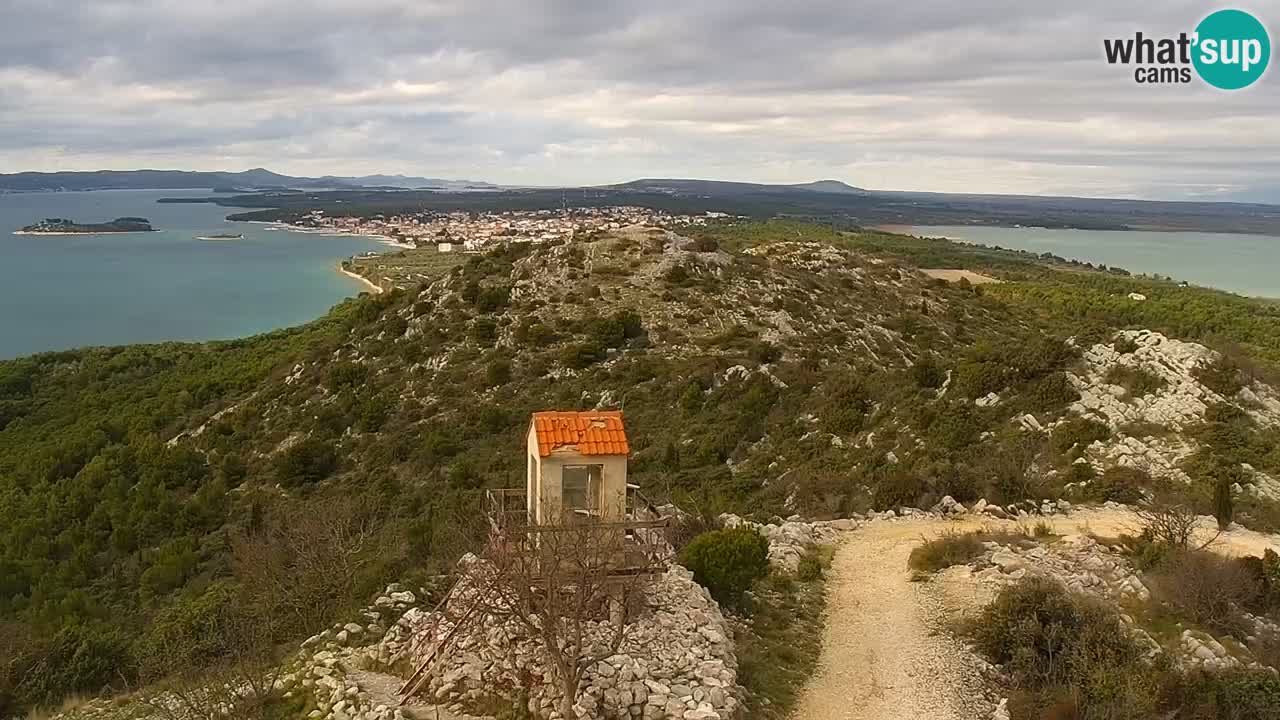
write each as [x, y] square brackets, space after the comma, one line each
[1242, 264]
[67, 291]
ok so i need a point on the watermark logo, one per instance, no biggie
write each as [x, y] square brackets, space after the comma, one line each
[1229, 49]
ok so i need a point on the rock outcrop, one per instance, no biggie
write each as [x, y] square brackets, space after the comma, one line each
[790, 539]
[1176, 407]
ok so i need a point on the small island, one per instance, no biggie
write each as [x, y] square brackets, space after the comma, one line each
[63, 226]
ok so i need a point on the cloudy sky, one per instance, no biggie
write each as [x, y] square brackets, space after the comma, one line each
[999, 96]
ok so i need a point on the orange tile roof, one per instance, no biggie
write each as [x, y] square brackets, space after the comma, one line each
[594, 432]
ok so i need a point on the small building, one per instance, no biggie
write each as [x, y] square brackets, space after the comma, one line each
[577, 467]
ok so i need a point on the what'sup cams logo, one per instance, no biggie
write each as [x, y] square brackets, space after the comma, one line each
[1229, 50]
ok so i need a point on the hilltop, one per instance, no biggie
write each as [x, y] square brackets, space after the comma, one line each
[769, 369]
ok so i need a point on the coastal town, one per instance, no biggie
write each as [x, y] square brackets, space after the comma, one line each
[472, 231]
[431, 242]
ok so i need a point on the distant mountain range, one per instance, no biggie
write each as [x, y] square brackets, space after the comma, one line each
[282, 197]
[721, 187]
[247, 181]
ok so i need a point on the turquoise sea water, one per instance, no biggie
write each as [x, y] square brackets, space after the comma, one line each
[1243, 264]
[64, 291]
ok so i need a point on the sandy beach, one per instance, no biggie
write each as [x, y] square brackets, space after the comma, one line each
[373, 288]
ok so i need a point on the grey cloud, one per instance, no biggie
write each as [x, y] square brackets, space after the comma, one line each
[1007, 97]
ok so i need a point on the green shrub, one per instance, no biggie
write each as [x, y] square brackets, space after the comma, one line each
[583, 355]
[346, 374]
[1050, 392]
[703, 245]
[726, 562]
[1072, 436]
[847, 404]
[1118, 484]
[1136, 381]
[498, 373]
[1054, 643]
[951, 548]
[812, 566]
[492, 299]
[1229, 695]
[764, 353]
[305, 462]
[927, 373]
[1223, 376]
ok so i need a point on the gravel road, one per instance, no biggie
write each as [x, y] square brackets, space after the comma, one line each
[886, 655]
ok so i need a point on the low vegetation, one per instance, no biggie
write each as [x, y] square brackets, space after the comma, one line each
[727, 562]
[778, 367]
[779, 645]
[1136, 381]
[1070, 657]
[959, 548]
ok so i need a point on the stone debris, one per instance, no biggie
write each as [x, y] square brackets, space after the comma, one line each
[790, 539]
[1078, 562]
[676, 660]
[1201, 650]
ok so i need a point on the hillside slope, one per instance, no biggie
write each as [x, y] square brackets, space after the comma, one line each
[764, 368]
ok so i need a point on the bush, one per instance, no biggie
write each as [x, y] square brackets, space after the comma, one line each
[1136, 381]
[951, 548]
[1206, 587]
[704, 245]
[847, 404]
[763, 353]
[810, 568]
[308, 461]
[1118, 484]
[1230, 695]
[346, 374]
[1223, 376]
[727, 562]
[1073, 436]
[583, 355]
[927, 373]
[498, 373]
[1049, 640]
[1051, 392]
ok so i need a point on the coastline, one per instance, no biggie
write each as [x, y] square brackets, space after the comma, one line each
[373, 287]
[96, 232]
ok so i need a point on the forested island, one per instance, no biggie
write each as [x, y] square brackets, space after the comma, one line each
[63, 226]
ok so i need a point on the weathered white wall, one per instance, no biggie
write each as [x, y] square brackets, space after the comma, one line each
[545, 480]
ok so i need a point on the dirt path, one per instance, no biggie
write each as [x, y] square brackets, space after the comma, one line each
[881, 657]
[885, 655]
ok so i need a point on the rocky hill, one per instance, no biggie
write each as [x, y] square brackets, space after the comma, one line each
[770, 369]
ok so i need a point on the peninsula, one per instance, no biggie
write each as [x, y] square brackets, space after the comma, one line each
[63, 226]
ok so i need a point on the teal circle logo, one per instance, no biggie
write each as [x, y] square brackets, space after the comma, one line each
[1232, 49]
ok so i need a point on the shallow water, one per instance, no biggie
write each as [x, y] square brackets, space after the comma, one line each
[1244, 264]
[66, 291]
